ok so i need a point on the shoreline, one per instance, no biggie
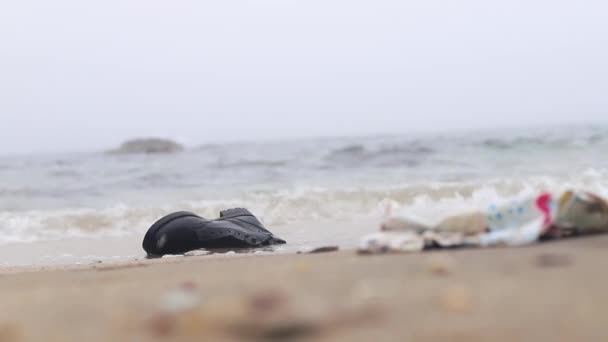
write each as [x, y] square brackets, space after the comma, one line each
[128, 248]
[549, 291]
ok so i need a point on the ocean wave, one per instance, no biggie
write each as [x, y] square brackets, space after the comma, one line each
[251, 163]
[386, 155]
[284, 207]
[555, 138]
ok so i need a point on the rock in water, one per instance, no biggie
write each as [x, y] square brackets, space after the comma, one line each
[148, 146]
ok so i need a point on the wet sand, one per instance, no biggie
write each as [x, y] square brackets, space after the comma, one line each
[549, 292]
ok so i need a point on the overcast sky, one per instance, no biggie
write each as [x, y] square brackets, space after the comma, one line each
[87, 74]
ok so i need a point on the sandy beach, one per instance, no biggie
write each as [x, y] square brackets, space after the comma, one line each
[379, 131]
[551, 292]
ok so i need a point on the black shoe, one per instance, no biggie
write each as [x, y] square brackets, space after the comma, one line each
[184, 231]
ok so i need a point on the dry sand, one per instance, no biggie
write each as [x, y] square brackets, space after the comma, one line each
[549, 292]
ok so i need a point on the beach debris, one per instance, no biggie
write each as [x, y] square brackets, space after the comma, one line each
[518, 223]
[168, 256]
[404, 223]
[457, 300]
[581, 213]
[184, 231]
[387, 242]
[197, 252]
[550, 260]
[318, 250]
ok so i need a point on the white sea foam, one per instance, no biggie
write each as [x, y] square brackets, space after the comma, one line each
[292, 206]
[294, 184]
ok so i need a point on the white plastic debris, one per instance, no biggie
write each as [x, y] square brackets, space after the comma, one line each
[513, 224]
[198, 252]
[385, 242]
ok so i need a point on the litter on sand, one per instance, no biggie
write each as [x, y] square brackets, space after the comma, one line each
[523, 222]
[183, 232]
[318, 250]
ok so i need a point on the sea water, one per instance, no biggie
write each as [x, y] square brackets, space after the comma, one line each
[95, 206]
